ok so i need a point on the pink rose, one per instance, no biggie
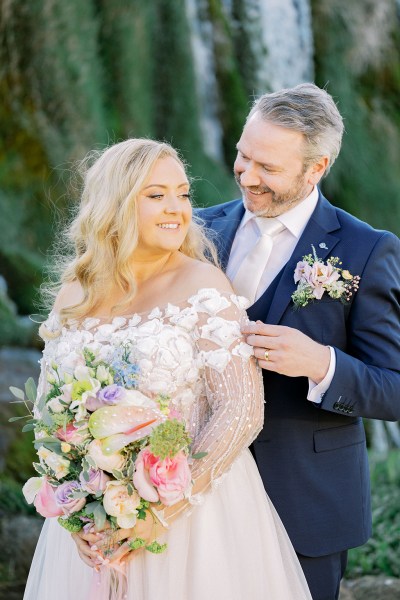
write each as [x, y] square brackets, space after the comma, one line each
[97, 481]
[72, 435]
[141, 478]
[171, 477]
[39, 491]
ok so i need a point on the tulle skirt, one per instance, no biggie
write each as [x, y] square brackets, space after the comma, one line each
[232, 547]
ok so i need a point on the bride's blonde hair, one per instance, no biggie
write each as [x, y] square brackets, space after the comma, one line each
[105, 232]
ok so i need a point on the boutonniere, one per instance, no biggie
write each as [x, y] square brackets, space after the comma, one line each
[314, 278]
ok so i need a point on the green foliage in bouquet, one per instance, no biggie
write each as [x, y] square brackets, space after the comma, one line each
[169, 438]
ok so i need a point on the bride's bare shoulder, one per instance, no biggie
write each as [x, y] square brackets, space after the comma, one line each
[197, 274]
[70, 294]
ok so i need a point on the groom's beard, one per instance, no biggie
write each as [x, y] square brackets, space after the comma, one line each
[276, 203]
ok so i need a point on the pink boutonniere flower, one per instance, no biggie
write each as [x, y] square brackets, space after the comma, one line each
[314, 278]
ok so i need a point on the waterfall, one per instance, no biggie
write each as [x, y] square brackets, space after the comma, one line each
[206, 81]
[287, 37]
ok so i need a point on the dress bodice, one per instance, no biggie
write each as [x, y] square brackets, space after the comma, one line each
[193, 352]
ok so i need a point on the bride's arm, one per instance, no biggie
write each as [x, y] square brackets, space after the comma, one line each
[234, 390]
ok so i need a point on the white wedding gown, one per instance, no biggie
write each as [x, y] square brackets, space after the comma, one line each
[228, 543]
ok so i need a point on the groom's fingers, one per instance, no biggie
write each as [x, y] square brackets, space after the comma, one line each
[263, 341]
[260, 328]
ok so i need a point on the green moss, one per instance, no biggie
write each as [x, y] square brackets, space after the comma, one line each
[381, 553]
[234, 100]
[366, 179]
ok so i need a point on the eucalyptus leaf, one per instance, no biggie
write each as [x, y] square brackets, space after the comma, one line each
[17, 392]
[12, 419]
[91, 507]
[28, 427]
[199, 455]
[30, 390]
[42, 402]
[79, 494]
[46, 417]
[100, 516]
[90, 461]
[85, 475]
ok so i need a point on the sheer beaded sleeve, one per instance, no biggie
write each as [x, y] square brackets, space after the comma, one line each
[234, 390]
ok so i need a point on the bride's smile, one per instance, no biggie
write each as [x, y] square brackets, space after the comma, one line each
[164, 209]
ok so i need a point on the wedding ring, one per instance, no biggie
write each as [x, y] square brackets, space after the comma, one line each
[266, 355]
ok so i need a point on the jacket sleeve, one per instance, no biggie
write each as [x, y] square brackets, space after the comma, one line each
[366, 382]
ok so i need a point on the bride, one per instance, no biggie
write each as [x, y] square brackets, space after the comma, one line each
[142, 267]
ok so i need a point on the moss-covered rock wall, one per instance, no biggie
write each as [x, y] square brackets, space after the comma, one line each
[77, 75]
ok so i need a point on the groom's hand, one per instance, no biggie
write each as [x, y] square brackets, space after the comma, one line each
[289, 351]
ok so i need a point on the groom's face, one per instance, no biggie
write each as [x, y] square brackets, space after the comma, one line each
[269, 167]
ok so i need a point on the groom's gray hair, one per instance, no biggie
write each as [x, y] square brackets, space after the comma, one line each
[309, 110]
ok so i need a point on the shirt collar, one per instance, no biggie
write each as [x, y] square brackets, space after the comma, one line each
[295, 219]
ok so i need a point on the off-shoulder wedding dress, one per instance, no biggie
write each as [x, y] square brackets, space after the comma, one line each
[228, 543]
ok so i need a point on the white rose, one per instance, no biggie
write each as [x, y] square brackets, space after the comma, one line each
[118, 503]
[220, 331]
[55, 405]
[104, 462]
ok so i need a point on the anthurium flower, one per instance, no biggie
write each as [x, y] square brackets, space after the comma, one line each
[119, 425]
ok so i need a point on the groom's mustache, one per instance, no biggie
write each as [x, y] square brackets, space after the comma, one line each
[261, 189]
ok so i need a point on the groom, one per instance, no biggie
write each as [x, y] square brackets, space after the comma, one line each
[326, 364]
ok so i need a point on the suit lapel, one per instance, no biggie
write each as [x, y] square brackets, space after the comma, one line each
[225, 227]
[318, 231]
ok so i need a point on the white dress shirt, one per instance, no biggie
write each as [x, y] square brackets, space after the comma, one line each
[295, 221]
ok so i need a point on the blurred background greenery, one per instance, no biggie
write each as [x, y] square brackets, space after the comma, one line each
[79, 75]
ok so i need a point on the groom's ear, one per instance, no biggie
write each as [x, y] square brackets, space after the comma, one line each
[317, 170]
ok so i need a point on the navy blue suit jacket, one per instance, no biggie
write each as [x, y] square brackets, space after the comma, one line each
[312, 458]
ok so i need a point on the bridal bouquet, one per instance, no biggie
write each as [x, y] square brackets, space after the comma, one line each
[105, 450]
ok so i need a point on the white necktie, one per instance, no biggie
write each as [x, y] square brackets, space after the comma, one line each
[247, 279]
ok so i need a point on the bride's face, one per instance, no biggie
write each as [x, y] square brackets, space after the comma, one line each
[164, 207]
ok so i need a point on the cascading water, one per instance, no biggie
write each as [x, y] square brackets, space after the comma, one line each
[287, 36]
[206, 81]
